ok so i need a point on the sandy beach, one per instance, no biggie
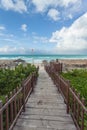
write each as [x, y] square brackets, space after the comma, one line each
[3, 61]
[68, 64]
[73, 62]
[64, 61]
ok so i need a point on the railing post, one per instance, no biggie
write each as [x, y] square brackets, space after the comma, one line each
[1, 117]
[68, 85]
[11, 108]
[34, 79]
[59, 83]
[32, 82]
[78, 108]
[7, 115]
[72, 101]
[75, 104]
[15, 105]
[82, 115]
[61, 65]
[57, 60]
[23, 87]
[17, 100]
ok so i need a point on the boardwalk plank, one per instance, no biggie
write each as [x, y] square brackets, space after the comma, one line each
[50, 118]
[49, 112]
[45, 109]
[46, 124]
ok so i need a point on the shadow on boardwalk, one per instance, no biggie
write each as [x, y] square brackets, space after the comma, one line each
[45, 109]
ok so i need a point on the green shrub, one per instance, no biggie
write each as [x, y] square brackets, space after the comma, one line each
[78, 80]
[10, 79]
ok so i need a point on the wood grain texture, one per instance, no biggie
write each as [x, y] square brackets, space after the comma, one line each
[45, 109]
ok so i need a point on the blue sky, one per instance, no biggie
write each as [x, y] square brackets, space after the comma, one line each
[48, 27]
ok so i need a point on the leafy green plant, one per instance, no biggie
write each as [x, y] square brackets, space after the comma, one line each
[78, 80]
[10, 79]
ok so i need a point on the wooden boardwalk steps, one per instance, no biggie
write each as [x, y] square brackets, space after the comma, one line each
[45, 109]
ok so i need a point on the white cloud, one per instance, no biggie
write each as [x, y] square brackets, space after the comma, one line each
[11, 35]
[74, 10]
[15, 5]
[72, 39]
[68, 9]
[21, 50]
[66, 3]
[54, 14]
[1, 34]
[2, 28]
[6, 49]
[24, 27]
[11, 50]
[39, 39]
[42, 5]
[70, 16]
[8, 39]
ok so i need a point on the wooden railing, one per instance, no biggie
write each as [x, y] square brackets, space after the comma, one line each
[56, 66]
[75, 104]
[10, 111]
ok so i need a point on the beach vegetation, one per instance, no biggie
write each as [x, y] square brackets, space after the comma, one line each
[11, 79]
[78, 81]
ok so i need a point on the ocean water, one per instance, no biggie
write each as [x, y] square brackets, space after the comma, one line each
[40, 58]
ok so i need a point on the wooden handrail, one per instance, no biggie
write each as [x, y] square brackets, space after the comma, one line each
[79, 101]
[16, 102]
[9, 101]
[74, 104]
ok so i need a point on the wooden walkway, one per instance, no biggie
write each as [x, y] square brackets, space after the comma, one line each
[45, 109]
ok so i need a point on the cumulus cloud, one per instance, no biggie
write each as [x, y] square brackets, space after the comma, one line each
[72, 39]
[41, 39]
[42, 5]
[6, 49]
[54, 14]
[20, 50]
[66, 3]
[69, 16]
[67, 8]
[8, 39]
[24, 27]
[15, 5]
[74, 9]
[11, 50]
[2, 28]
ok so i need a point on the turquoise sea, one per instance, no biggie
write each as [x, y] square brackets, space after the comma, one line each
[40, 58]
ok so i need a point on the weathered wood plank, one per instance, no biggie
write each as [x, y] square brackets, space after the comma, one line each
[50, 112]
[37, 128]
[46, 124]
[48, 101]
[39, 105]
[45, 109]
[48, 118]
